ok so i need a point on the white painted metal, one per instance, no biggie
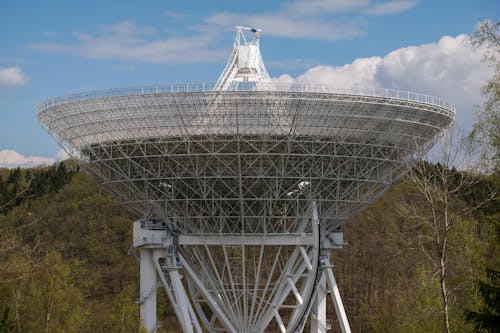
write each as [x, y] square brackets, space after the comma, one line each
[306, 259]
[213, 302]
[147, 300]
[156, 246]
[281, 325]
[296, 293]
[239, 174]
[171, 294]
[226, 283]
[334, 291]
[210, 87]
[302, 239]
[245, 63]
[318, 311]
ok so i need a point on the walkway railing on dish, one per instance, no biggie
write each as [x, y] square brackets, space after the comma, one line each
[248, 86]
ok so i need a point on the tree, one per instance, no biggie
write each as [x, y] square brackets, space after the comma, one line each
[486, 134]
[436, 210]
[53, 304]
[486, 130]
[488, 316]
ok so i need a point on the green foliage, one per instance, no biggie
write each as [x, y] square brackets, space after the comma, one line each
[487, 318]
[6, 325]
[52, 303]
[486, 131]
[17, 186]
[63, 256]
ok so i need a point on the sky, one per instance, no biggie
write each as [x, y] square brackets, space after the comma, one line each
[53, 48]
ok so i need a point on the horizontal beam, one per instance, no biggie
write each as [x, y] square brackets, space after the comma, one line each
[286, 239]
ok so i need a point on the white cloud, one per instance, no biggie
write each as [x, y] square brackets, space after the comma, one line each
[291, 25]
[127, 29]
[306, 19]
[361, 72]
[12, 76]
[391, 7]
[283, 79]
[128, 41]
[448, 69]
[449, 66]
[313, 19]
[12, 159]
[62, 155]
[326, 6]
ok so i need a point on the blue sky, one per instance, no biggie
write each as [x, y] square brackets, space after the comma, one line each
[53, 48]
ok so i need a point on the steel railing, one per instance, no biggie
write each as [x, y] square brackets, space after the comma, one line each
[246, 86]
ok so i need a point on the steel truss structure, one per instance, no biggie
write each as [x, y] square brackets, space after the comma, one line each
[246, 183]
[245, 63]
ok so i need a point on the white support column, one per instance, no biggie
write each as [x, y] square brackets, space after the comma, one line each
[147, 299]
[154, 243]
[176, 292]
[182, 300]
[337, 301]
[318, 311]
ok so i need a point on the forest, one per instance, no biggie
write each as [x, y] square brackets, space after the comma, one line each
[423, 258]
[65, 263]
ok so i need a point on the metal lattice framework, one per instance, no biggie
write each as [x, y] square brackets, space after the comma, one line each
[238, 161]
[249, 181]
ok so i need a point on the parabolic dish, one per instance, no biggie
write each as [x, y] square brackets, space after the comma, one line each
[208, 161]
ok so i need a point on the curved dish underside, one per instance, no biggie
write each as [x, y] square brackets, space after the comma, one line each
[245, 161]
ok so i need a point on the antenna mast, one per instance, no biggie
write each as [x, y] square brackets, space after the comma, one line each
[245, 63]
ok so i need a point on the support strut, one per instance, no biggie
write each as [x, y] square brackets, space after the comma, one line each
[158, 261]
[307, 277]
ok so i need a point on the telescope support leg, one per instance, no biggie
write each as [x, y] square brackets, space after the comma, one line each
[147, 301]
[159, 263]
[334, 291]
[318, 310]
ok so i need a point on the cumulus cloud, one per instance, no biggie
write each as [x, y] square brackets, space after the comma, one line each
[129, 41]
[448, 69]
[13, 159]
[283, 79]
[361, 72]
[12, 76]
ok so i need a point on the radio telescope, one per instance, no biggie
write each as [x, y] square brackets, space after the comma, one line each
[244, 184]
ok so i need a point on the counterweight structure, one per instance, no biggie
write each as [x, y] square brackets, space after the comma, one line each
[244, 185]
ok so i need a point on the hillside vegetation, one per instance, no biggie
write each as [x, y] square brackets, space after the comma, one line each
[65, 263]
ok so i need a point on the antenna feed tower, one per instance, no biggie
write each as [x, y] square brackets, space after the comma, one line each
[245, 63]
